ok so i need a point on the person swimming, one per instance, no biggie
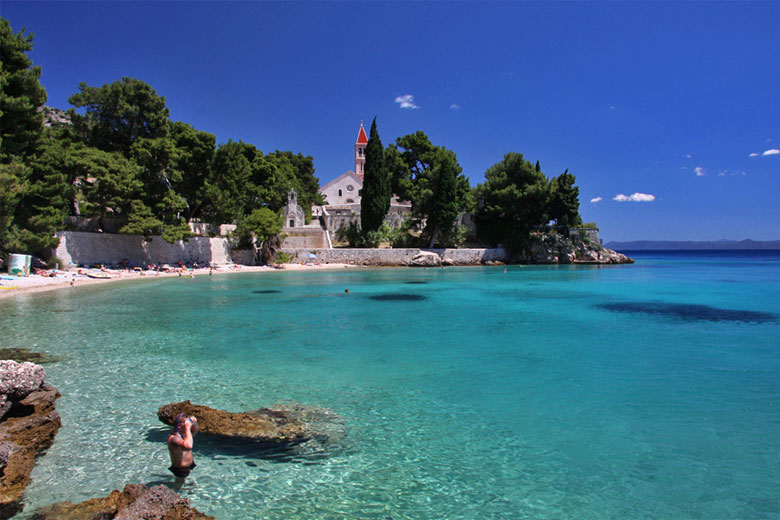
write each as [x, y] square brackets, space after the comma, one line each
[180, 445]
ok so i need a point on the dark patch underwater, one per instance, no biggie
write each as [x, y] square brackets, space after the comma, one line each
[690, 312]
[415, 282]
[267, 291]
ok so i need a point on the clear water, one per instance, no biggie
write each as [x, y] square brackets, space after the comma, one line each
[542, 392]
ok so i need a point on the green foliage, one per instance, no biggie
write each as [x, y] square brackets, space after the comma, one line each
[284, 258]
[141, 221]
[444, 205]
[375, 200]
[54, 263]
[119, 114]
[258, 226]
[564, 206]
[22, 95]
[354, 235]
[513, 199]
[13, 187]
[590, 225]
[192, 160]
[351, 234]
[423, 174]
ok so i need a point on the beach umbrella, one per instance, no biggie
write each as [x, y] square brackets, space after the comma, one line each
[312, 255]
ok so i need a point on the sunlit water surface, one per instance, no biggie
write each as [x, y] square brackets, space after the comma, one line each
[643, 391]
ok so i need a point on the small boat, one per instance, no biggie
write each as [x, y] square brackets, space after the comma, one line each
[98, 276]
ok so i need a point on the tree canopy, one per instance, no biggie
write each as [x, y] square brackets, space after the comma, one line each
[430, 178]
[517, 197]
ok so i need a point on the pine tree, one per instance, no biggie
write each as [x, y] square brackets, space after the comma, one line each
[375, 201]
[22, 94]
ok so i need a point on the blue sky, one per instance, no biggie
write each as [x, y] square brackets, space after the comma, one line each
[661, 101]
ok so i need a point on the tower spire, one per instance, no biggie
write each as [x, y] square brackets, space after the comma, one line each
[360, 151]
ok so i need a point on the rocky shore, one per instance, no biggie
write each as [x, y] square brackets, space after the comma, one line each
[134, 502]
[544, 248]
[28, 425]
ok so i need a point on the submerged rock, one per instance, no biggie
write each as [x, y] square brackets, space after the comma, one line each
[28, 424]
[135, 502]
[21, 355]
[263, 425]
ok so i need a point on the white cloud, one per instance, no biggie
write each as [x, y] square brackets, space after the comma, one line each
[636, 197]
[754, 154]
[773, 151]
[596, 199]
[700, 171]
[612, 107]
[454, 107]
[688, 156]
[406, 101]
[722, 173]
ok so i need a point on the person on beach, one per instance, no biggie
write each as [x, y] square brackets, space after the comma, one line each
[180, 446]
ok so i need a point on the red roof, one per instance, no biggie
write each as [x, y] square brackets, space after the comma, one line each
[362, 139]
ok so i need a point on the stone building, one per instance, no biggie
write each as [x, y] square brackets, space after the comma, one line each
[343, 195]
[297, 233]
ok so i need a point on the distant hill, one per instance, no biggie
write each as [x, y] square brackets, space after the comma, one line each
[657, 245]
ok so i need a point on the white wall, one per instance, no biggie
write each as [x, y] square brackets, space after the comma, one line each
[89, 248]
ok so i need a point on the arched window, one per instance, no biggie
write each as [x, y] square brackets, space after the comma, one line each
[339, 193]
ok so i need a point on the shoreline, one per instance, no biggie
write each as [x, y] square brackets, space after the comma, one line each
[36, 283]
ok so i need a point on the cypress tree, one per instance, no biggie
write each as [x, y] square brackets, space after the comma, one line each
[375, 201]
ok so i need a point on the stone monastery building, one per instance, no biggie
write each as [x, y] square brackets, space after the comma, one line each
[347, 188]
[342, 206]
[343, 194]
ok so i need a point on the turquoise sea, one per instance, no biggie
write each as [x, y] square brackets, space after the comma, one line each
[544, 392]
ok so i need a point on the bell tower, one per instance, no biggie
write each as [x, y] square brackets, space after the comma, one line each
[360, 152]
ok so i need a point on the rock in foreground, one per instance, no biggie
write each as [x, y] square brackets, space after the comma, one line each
[28, 424]
[263, 425]
[135, 502]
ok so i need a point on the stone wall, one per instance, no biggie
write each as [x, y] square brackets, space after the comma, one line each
[79, 248]
[394, 256]
[304, 237]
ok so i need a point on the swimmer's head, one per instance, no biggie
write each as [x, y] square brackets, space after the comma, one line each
[179, 420]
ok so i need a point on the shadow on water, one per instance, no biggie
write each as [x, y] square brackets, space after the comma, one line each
[267, 291]
[690, 312]
[392, 297]
[416, 282]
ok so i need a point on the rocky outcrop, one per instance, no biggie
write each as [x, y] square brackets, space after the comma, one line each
[551, 248]
[135, 502]
[265, 425]
[28, 424]
[425, 259]
[53, 116]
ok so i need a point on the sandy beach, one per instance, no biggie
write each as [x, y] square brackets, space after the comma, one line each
[70, 279]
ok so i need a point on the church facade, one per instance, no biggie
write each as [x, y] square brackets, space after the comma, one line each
[343, 194]
[347, 188]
